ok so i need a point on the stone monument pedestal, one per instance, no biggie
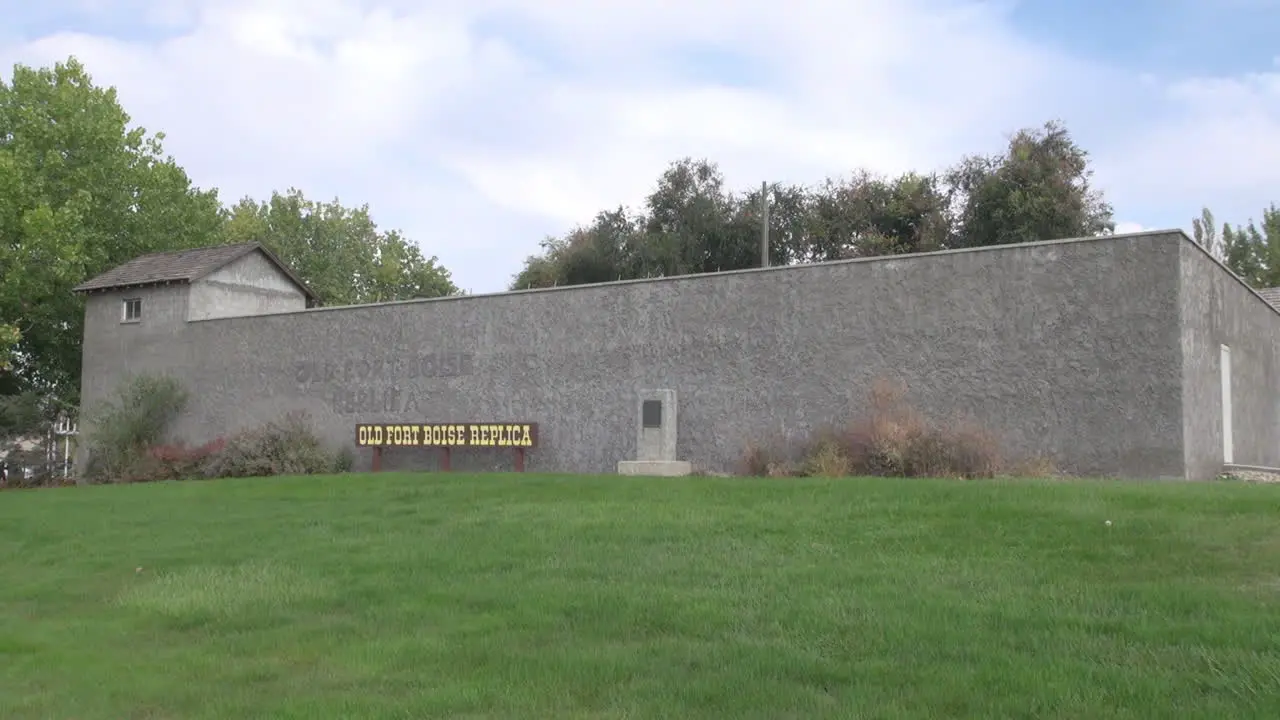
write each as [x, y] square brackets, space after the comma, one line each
[656, 438]
[655, 468]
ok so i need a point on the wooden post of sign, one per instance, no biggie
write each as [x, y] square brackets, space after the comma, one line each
[377, 458]
[520, 459]
[446, 458]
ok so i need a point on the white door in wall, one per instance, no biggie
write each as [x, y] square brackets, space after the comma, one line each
[1228, 454]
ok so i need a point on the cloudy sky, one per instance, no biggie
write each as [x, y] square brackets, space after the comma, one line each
[480, 126]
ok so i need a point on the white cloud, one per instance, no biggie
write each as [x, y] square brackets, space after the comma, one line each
[1216, 143]
[477, 142]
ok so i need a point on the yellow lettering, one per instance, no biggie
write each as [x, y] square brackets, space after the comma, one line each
[479, 434]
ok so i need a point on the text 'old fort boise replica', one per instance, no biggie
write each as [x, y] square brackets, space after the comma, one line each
[1131, 355]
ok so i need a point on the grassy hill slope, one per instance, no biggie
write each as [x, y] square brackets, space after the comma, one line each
[531, 596]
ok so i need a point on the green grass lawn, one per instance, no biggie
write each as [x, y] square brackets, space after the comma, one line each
[403, 596]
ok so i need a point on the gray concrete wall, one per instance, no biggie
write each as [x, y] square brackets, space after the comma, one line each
[1218, 309]
[113, 348]
[1071, 349]
[252, 285]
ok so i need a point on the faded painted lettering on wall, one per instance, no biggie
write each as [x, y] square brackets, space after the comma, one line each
[358, 386]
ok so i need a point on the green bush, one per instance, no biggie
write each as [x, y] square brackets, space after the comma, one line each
[345, 460]
[130, 424]
[288, 446]
[127, 442]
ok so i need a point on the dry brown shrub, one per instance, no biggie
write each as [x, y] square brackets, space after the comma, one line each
[755, 461]
[895, 439]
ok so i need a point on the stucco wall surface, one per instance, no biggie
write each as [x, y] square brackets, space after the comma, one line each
[252, 285]
[1217, 310]
[1070, 349]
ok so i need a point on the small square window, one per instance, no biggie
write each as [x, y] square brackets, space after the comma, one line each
[132, 310]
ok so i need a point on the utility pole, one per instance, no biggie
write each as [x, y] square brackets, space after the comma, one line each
[764, 224]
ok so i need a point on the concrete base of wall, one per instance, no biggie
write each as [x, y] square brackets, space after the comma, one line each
[655, 468]
[1252, 473]
[1254, 468]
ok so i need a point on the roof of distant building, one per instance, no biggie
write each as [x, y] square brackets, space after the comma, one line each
[1271, 295]
[181, 266]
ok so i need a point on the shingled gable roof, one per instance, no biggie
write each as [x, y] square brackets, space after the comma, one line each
[1271, 295]
[181, 266]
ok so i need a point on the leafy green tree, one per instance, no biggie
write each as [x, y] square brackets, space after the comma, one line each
[1038, 189]
[689, 224]
[19, 414]
[81, 191]
[1243, 249]
[542, 270]
[1267, 234]
[688, 228]
[867, 215]
[9, 337]
[612, 247]
[1250, 250]
[1205, 233]
[338, 251]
